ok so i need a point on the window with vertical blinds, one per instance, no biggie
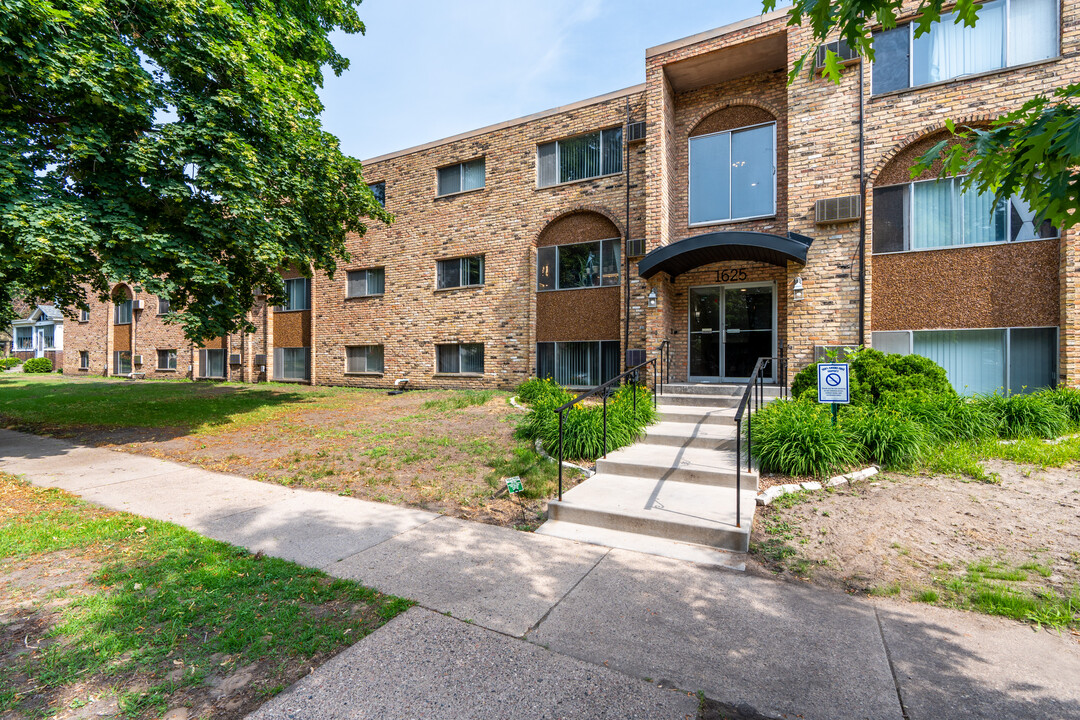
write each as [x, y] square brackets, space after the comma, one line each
[291, 363]
[462, 176]
[364, 359]
[459, 358]
[212, 363]
[578, 265]
[362, 283]
[296, 292]
[578, 364]
[586, 156]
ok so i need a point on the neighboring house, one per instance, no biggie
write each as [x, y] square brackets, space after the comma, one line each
[40, 334]
[716, 207]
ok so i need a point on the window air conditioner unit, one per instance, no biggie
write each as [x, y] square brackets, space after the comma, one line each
[635, 247]
[634, 357]
[136, 304]
[635, 131]
[837, 210]
[260, 359]
[234, 359]
[136, 359]
[846, 53]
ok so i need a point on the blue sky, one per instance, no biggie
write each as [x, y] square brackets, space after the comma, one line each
[427, 70]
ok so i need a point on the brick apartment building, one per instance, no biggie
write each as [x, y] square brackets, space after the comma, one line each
[715, 206]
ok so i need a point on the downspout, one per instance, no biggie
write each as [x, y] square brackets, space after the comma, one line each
[862, 199]
[626, 247]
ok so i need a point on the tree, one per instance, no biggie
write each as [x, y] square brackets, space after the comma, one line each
[1032, 151]
[173, 144]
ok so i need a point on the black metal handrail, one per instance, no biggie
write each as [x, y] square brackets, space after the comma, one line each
[603, 389]
[665, 364]
[753, 397]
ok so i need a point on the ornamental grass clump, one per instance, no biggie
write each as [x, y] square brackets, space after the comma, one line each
[886, 436]
[797, 437]
[951, 418]
[1068, 399]
[1027, 415]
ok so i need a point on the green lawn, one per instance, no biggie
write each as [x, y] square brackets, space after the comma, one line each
[155, 615]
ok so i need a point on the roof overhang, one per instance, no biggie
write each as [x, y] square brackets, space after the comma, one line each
[693, 252]
[729, 63]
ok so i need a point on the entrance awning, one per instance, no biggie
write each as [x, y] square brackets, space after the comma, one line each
[693, 252]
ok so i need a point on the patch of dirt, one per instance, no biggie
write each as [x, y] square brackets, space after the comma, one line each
[905, 531]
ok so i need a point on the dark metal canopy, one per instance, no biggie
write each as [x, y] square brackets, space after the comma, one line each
[693, 252]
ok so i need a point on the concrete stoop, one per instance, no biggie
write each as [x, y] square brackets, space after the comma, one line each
[672, 493]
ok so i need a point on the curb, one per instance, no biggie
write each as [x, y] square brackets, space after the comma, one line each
[766, 497]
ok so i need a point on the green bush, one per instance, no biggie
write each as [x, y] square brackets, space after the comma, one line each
[949, 418]
[797, 437]
[877, 377]
[1068, 399]
[886, 436]
[1027, 415]
[38, 365]
[8, 363]
[534, 389]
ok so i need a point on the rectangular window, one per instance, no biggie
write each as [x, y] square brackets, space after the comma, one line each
[362, 283]
[459, 358]
[162, 305]
[939, 213]
[122, 362]
[581, 265]
[84, 360]
[123, 313]
[578, 364]
[460, 272]
[84, 316]
[586, 156]
[364, 359]
[733, 175]
[462, 177]
[166, 359]
[1008, 33]
[296, 290]
[24, 338]
[48, 337]
[212, 363]
[291, 363]
[983, 361]
[379, 191]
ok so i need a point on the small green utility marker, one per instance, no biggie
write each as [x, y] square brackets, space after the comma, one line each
[513, 485]
[833, 385]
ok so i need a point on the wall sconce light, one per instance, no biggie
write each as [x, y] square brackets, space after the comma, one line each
[798, 287]
[652, 298]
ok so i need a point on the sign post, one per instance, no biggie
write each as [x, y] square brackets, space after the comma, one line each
[833, 385]
[513, 487]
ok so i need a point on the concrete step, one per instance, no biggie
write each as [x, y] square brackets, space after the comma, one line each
[697, 415]
[678, 464]
[691, 435]
[683, 512]
[735, 389]
[650, 544]
[713, 401]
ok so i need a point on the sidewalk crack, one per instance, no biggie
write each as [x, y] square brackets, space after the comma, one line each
[573, 587]
[892, 667]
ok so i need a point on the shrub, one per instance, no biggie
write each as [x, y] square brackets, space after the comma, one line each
[1030, 415]
[797, 437]
[38, 365]
[877, 377]
[950, 418]
[886, 436]
[8, 363]
[533, 389]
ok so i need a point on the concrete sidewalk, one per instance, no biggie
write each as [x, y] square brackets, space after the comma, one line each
[573, 630]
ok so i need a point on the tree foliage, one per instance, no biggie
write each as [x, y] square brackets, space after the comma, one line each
[1032, 151]
[174, 144]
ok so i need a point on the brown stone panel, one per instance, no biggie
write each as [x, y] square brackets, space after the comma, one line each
[217, 343]
[731, 118]
[587, 314]
[292, 329]
[576, 228]
[1008, 285]
[121, 338]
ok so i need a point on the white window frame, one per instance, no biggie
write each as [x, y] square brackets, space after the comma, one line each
[459, 345]
[84, 316]
[30, 338]
[775, 177]
[462, 273]
[366, 271]
[461, 182]
[958, 209]
[600, 132]
[600, 260]
[1008, 51]
[367, 352]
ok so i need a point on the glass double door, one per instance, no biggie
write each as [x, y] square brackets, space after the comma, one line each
[731, 326]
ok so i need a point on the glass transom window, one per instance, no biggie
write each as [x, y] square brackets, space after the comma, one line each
[586, 156]
[733, 175]
[581, 265]
[462, 177]
[1007, 33]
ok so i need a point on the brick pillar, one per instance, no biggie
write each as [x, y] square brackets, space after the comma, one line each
[1069, 332]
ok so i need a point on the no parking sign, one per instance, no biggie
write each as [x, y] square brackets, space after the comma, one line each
[832, 383]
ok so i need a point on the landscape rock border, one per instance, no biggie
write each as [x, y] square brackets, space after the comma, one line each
[770, 494]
